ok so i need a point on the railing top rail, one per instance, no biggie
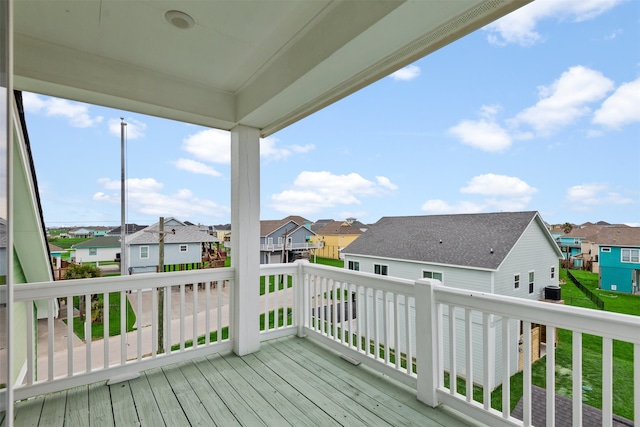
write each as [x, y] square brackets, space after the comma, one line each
[63, 288]
[607, 324]
[384, 283]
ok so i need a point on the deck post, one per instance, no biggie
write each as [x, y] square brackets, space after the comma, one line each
[245, 238]
[427, 341]
[299, 290]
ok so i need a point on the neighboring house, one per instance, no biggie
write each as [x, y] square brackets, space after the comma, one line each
[99, 249]
[129, 229]
[506, 253]
[285, 240]
[100, 231]
[81, 232]
[317, 225]
[335, 236]
[571, 243]
[222, 232]
[614, 253]
[183, 244]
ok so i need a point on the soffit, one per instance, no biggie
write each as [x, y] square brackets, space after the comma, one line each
[260, 63]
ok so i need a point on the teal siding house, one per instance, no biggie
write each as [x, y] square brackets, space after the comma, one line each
[619, 258]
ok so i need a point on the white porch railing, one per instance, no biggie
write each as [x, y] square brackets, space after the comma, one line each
[364, 317]
[417, 332]
[290, 246]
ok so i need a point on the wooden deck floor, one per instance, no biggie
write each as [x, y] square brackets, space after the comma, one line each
[290, 381]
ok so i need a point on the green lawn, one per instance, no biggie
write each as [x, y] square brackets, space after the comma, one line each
[97, 327]
[591, 355]
[329, 261]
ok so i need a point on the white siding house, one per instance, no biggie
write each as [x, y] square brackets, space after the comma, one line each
[493, 253]
[99, 249]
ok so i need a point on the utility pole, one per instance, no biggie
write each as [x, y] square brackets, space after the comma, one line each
[161, 234]
[123, 219]
[161, 289]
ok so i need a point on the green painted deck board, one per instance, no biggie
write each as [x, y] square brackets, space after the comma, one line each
[249, 394]
[290, 381]
[100, 409]
[170, 407]
[400, 407]
[53, 409]
[144, 403]
[77, 411]
[124, 409]
[29, 414]
[293, 406]
[187, 397]
[216, 407]
[232, 399]
[322, 394]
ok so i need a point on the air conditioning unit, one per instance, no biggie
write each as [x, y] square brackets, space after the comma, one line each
[552, 293]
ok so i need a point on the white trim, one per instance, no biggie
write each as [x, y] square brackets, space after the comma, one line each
[140, 252]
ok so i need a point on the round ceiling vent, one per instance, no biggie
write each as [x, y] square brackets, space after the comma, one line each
[179, 19]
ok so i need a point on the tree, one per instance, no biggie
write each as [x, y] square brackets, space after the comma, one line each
[567, 227]
[78, 271]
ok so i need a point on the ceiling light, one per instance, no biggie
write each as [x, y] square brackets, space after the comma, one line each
[179, 19]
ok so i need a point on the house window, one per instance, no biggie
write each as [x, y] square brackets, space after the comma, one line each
[531, 281]
[516, 281]
[431, 275]
[576, 241]
[144, 252]
[354, 265]
[630, 255]
[553, 272]
[280, 240]
[183, 248]
[93, 251]
[381, 269]
[606, 249]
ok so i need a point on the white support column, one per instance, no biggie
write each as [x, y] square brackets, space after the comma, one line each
[427, 341]
[245, 237]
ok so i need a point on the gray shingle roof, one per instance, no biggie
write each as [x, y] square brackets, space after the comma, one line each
[100, 242]
[467, 239]
[183, 234]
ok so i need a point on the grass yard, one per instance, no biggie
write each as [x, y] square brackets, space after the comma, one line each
[329, 261]
[591, 354]
[97, 328]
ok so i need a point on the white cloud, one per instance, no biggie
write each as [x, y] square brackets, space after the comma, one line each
[519, 27]
[498, 185]
[585, 196]
[195, 167]
[386, 183]
[76, 113]
[437, 206]
[407, 73]
[132, 184]
[482, 134]
[500, 192]
[621, 108]
[313, 191]
[134, 129]
[213, 145]
[565, 100]
[144, 197]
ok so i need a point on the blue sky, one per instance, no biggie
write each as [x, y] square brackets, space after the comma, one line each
[538, 111]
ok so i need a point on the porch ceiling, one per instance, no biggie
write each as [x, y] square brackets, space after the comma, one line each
[264, 64]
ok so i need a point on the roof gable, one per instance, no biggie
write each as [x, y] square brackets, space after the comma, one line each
[473, 240]
[338, 227]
